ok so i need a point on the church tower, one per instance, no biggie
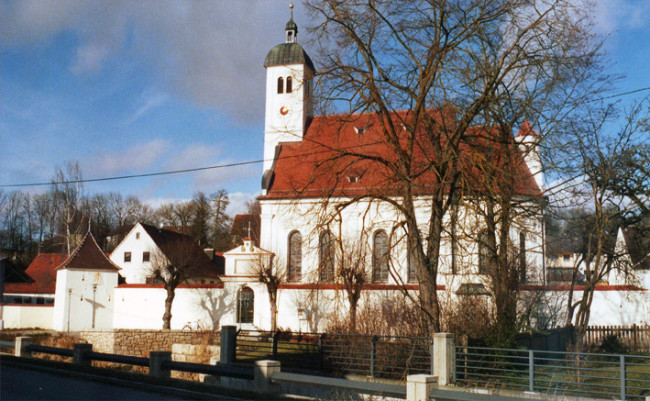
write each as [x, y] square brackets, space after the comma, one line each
[289, 72]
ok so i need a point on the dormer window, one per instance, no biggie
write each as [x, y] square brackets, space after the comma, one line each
[360, 131]
[354, 178]
[280, 85]
[289, 84]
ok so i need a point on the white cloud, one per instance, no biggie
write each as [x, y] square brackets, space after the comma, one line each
[613, 15]
[149, 101]
[89, 58]
[210, 52]
[238, 202]
[138, 158]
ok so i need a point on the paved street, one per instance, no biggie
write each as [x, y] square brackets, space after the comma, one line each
[23, 383]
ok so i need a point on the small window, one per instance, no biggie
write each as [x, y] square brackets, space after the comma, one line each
[566, 257]
[146, 256]
[289, 84]
[280, 85]
[127, 257]
[137, 235]
[245, 305]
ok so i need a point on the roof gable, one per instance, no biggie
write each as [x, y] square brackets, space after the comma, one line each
[88, 256]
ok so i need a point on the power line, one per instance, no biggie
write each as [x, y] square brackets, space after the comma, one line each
[190, 170]
[170, 172]
[619, 94]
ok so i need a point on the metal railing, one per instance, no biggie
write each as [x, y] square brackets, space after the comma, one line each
[560, 373]
[375, 356]
[87, 356]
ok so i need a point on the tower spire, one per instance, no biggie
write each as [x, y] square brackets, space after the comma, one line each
[291, 28]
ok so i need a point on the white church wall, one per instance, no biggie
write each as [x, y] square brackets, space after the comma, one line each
[281, 217]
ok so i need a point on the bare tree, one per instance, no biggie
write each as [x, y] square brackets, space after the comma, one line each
[446, 64]
[67, 193]
[179, 261]
[272, 273]
[602, 162]
[352, 272]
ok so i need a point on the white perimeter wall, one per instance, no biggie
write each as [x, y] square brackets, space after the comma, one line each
[27, 316]
[143, 308]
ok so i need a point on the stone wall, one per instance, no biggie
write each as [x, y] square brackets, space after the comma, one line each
[140, 342]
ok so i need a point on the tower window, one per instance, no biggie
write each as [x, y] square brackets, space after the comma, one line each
[289, 84]
[280, 85]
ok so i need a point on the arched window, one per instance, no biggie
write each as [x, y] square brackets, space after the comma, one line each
[522, 256]
[380, 257]
[245, 305]
[280, 85]
[289, 84]
[326, 256]
[295, 256]
[484, 251]
[412, 265]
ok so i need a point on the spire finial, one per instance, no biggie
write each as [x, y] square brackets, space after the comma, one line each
[291, 28]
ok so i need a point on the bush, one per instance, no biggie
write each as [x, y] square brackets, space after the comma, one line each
[611, 344]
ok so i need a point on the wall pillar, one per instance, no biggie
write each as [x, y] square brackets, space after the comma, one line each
[157, 359]
[264, 371]
[419, 387]
[443, 357]
[20, 347]
[228, 344]
[80, 354]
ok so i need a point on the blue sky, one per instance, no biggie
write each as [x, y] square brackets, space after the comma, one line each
[129, 87]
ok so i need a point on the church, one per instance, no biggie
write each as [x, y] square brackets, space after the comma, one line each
[321, 206]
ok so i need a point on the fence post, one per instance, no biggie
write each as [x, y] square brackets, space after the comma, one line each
[80, 354]
[623, 389]
[373, 351]
[419, 387]
[228, 344]
[321, 353]
[20, 347]
[157, 361]
[276, 335]
[444, 357]
[531, 371]
[263, 373]
[635, 337]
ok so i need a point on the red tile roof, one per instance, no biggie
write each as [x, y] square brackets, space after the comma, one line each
[317, 167]
[88, 255]
[43, 275]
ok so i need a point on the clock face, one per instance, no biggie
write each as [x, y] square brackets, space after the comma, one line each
[284, 110]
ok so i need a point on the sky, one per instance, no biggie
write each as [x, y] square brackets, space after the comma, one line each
[132, 87]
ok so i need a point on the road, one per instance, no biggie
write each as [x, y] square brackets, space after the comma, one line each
[26, 383]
